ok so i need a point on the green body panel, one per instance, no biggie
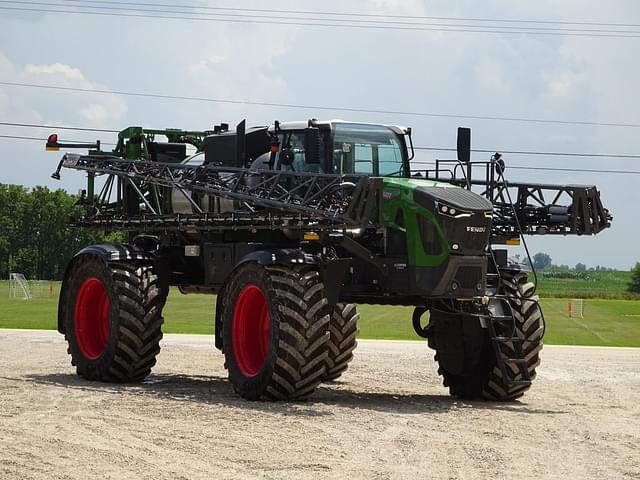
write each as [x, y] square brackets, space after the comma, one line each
[398, 194]
[133, 144]
[133, 141]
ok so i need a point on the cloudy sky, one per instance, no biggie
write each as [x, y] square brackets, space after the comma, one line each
[514, 75]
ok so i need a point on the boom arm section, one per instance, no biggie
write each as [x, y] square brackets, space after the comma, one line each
[540, 209]
[348, 200]
[528, 208]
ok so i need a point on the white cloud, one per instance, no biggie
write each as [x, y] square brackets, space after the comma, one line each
[564, 84]
[12, 104]
[59, 107]
[245, 71]
[57, 69]
[203, 65]
[101, 114]
[413, 6]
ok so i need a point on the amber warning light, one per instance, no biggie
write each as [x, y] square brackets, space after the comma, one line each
[52, 143]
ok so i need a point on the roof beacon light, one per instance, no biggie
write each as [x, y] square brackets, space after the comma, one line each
[52, 143]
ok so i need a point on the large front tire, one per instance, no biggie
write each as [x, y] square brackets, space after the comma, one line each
[112, 317]
[477, 374]
[275, 330]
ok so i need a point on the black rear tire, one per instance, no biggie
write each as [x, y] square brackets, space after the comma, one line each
[343, 329]
[286, 360]
[112, 316]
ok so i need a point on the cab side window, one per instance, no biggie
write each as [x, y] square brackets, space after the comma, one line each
[363, 159]
[390, 158]
[294, 140]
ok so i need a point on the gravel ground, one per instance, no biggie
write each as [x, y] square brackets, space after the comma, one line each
[388, 418]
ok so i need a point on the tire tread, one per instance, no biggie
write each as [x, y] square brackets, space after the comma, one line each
[343, 329]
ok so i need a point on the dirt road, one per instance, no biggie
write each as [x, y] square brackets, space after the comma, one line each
[389, 418]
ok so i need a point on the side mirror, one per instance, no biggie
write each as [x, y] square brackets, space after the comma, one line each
[312, 145]
[286, 157]
[464, 144]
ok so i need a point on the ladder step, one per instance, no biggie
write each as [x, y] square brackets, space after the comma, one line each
[503, 360]
[507, 339]
[520, 382]
[514, 361]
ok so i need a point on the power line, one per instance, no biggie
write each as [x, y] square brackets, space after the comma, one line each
[371, 15]
[297, 23]
[39, 139]
[18, 137]
[435, 149]
[555, 169]
[582, 170]
[513, 167]
[138, 7]
[58, 127]
[318, 107]
[546, 154]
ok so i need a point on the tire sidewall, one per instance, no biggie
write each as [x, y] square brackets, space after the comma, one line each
[253, 387]
[81, 271]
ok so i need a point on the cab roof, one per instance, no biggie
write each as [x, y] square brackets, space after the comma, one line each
[302, 124]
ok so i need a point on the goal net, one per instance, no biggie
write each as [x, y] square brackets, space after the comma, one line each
[19, 287]
[41, 288]
[576, 308]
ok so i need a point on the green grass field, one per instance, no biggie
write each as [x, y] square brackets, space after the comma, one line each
[607, 322]
[595, 285]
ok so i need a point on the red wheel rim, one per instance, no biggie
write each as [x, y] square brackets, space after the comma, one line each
[92, 318]
[250, 330]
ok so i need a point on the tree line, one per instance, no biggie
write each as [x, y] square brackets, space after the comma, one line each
[36, 237]
[542, 261]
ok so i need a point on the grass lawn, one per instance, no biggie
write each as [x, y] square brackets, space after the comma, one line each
[606, 322]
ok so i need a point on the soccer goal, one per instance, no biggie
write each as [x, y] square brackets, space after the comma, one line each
[575, 308]
[19, 287]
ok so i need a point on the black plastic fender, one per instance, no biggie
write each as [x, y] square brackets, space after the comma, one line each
[106, 253]
[280, 256]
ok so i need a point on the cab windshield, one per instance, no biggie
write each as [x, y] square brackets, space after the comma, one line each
[367, 149]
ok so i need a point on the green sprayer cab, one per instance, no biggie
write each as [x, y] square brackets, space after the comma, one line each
[292, 225]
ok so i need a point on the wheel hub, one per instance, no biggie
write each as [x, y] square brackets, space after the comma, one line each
[91, 315]
[251, 330]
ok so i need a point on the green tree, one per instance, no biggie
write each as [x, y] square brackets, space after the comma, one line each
[13, 202]
[541, 260]
[36, 232]
[634, 286]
